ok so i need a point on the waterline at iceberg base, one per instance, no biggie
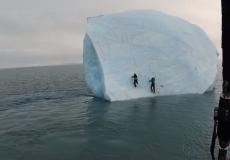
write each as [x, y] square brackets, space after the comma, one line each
[151, 44]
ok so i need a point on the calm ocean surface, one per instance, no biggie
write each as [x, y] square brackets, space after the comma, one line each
[47, 113]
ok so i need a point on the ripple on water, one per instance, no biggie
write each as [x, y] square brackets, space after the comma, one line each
[49, 113]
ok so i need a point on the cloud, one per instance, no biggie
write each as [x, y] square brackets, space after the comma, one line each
[26, 58]
[52, 31]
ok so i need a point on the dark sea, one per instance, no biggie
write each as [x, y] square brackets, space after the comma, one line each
[48, 113]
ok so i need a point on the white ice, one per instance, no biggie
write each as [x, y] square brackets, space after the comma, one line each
[151, 44]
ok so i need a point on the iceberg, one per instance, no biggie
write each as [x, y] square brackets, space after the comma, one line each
[178, 54]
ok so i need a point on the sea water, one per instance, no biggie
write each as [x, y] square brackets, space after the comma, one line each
[48, 113]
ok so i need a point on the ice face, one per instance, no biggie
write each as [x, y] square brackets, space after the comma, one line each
[178, 54]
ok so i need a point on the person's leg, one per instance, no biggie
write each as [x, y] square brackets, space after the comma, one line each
[151, 87]
[135, 83]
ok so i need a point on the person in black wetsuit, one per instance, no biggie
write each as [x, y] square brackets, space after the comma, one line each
[135, 80]
[152, 87]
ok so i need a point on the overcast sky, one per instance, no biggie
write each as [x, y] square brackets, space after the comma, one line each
[48, 32]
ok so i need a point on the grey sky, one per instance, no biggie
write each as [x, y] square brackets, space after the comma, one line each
[47, 32]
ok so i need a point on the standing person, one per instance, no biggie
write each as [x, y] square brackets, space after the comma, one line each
[152, 80]
[135, 80]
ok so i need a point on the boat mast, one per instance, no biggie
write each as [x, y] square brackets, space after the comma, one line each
[223, 128]
[226, 39]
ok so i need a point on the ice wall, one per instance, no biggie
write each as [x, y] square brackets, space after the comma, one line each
[177, 53]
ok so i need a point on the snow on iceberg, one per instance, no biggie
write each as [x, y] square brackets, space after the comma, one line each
[177, 53]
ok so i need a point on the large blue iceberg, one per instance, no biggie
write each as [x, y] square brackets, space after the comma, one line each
[177, 53]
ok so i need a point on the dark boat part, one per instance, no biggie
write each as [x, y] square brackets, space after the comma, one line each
[222, 122]
[214, 134]
[226, 40]
[223, 128]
